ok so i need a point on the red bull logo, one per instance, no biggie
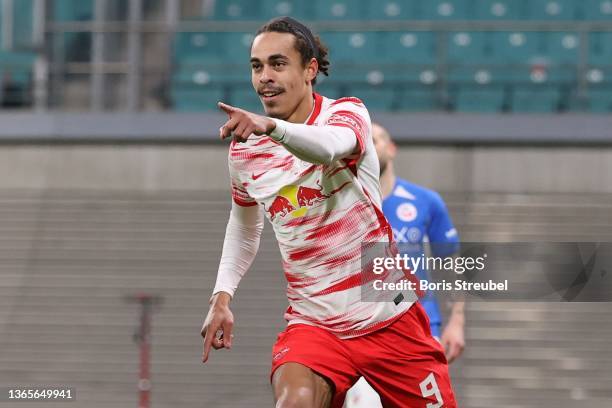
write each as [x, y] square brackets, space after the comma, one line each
[280, 206]
[295, 200]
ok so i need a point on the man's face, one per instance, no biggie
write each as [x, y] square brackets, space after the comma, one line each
[278, 75]
[385, 148]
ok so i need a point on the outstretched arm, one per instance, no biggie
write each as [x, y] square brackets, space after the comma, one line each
[339, 139]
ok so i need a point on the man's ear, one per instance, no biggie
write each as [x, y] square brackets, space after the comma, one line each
[312, 69]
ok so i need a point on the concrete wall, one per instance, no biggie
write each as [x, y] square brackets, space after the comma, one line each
[196, 167]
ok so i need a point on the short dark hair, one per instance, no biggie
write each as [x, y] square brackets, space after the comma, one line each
[302, 44]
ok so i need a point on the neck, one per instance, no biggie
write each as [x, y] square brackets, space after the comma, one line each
[387, 181]
[303, 111]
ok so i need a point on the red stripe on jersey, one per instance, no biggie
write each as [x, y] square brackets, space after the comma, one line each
[318, 102]
[351, 99]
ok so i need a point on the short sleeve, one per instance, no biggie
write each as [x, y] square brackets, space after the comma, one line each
[239, 193]
[441, 229]
[351, 113]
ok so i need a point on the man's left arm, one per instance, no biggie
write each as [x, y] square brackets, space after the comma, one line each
[445, 243]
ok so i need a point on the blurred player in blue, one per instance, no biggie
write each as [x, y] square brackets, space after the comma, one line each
[417, 215]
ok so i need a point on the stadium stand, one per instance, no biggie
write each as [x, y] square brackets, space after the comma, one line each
[512, 66]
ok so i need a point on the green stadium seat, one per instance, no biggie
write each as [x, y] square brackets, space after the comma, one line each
[598, 9]
[203, 72]
[328, 88]
[552, 9]
[408, 47]
[600, 48]
[23, 24]
[245, 97]
[600, 100]
[405, 74]
[353, 46]
[237, 10]
[496, 10]
[73, 10]
[340, 10]
[562, 47]
[18, 67]
[479, 99]
[393, 10]
[237, 47]
[468, 47]
[418, 99]
[299, 9]
[473, 74]
[375, 98]
[191, 98]
[516, 47]
[444, 9]
[203, 45]
[536, 99]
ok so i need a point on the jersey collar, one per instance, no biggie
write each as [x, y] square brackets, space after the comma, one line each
[318, 102]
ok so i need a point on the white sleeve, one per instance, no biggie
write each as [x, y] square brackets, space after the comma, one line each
[239, 247]
[315, 144]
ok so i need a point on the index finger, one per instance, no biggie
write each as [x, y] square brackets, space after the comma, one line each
[226, 108]
[208, 338]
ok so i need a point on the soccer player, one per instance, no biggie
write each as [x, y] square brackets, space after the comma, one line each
[310, 167]
[416, 215]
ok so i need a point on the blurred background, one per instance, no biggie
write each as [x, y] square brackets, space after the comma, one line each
[113, 183]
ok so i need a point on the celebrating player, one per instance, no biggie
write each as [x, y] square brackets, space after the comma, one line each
[310, 167]
[416, 215]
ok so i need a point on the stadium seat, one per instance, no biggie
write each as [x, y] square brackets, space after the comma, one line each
[73, 10]
[203, 45]
[600, 100]
[245, 97]
[23, 24]
[17, 67]
[237, 10]
[194, 70]
[535, 99]
[479, 99]
[393, 10]
[562, 47]
[418, 99]
[552, 9]
[340, 9]
[598, 9]
[237, 47]
[516, 47]
[444, 9]
[376, 98]
[600, 48]
[353, 46]
[468, 47]
[191, 98]
[299, 9]
[408, 47]
[496, 10]
[328, 87]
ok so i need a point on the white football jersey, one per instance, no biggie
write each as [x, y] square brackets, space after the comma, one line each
[321, 215]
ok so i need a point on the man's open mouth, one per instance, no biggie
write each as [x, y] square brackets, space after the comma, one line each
[268, 95]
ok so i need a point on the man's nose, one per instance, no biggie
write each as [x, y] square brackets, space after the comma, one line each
[266, 75]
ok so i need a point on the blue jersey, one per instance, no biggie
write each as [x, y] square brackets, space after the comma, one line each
[418, 214]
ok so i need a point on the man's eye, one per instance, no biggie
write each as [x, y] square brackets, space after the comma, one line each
[279, 64]
[255, 66]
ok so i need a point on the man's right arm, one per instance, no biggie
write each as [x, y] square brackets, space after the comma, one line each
[240, 246]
